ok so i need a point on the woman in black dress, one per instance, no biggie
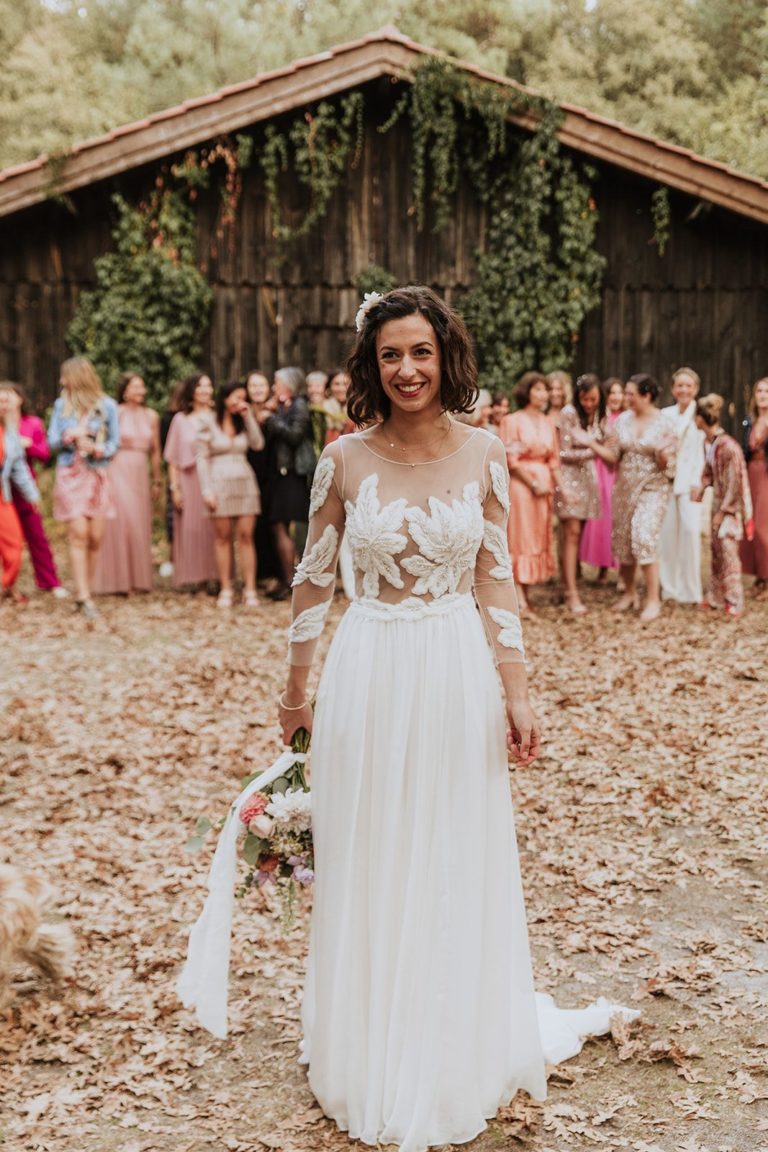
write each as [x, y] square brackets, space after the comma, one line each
[288, 430]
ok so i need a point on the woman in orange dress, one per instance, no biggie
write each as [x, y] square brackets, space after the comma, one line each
[533, 458]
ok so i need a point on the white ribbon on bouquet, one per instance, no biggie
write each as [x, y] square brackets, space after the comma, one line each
[204, 980]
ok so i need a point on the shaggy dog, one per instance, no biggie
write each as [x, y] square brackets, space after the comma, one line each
[24, 937]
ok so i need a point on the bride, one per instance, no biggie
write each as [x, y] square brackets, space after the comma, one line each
[419, 1014]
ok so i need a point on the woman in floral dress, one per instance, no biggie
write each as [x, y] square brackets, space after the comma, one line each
[726, 473]
[580, 425]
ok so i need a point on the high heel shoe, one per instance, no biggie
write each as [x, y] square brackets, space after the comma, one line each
[650, 613]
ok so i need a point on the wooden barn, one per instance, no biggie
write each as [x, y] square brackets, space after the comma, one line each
[703, 302]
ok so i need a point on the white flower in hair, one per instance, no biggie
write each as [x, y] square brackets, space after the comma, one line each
[369, 300]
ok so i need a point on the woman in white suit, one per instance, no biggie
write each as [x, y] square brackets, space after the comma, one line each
[680, 541]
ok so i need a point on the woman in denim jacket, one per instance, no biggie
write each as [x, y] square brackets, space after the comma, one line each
[13, 470]
[85, 434]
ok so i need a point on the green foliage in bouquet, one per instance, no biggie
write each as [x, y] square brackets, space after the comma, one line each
[276, 841]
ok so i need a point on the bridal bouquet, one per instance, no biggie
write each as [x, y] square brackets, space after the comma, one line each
[273, 816]
[269, 829]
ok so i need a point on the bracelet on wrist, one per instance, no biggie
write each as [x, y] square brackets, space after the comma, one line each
[292, 707]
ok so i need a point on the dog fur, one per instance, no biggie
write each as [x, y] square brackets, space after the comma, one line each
[24, 936]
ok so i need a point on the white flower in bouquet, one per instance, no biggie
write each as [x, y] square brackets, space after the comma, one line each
[291, 810]
[261, 826]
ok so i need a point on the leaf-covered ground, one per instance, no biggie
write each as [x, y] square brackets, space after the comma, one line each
[643, 840]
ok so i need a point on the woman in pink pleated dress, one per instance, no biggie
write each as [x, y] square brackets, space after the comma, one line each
[194, 561]
[125, 561]
[595, 546]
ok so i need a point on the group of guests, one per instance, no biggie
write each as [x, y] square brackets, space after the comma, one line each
[619, 480]
[626, 480]
[239, 465]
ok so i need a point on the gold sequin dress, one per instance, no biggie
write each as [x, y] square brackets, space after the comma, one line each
[642, 489]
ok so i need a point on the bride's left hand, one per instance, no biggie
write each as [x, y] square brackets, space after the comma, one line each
[523, 737]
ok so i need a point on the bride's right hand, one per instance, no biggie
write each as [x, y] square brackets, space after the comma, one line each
[293, 718]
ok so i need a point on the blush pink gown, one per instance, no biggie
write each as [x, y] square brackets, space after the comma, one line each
[125, 560]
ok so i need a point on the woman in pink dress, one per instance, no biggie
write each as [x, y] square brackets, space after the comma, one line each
[754, 553]
[530, 439]
[596, 538]
[125, 561]
[85, 433]
[194, 562]
[31, 433]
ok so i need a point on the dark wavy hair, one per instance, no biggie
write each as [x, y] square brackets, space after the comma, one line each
[584, 384]
[366, 400]
[646, 385]
[522, 393]
[187, 392]
[221, 397]
[123, 382]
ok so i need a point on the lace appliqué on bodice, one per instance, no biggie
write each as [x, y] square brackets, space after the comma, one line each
[372, 532]
[425, 546]
[448, 538]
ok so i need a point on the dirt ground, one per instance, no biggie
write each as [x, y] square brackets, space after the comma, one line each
[643, 841]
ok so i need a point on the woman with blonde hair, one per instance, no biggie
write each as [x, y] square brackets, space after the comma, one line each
[85, 434]
[754, 553]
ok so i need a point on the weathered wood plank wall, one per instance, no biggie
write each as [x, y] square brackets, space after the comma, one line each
[704, 302]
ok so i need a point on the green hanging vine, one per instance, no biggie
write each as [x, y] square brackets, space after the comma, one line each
[318, 148]
[150, 308]
[661, 215]
[538, 274]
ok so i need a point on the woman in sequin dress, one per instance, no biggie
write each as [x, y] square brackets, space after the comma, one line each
[533, 460]
[580, 425]
[643, 447]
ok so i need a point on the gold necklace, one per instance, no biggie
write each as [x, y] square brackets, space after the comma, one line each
[419, 447]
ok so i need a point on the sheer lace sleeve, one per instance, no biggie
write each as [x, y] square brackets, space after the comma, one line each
[493, 583]
[313, 584]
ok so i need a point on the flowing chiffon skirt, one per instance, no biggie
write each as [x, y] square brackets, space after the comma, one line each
[419, 1013]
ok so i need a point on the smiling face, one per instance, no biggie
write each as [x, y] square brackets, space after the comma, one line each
[684, 389]
[635, 401]
[203, 394]
[590, 400]
[257, 387]
[5, 402]
[614, 401]
[556, 395]
[538, 397]
[761, 397]
[135, 391]
[408, 358]
[338, 387]
[235, 401]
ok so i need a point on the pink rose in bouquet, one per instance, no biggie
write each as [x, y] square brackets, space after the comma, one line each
[254, 807]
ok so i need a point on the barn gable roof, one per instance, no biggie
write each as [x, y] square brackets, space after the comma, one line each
[383, 53]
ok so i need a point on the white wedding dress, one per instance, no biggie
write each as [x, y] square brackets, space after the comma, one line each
[419, 1013]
